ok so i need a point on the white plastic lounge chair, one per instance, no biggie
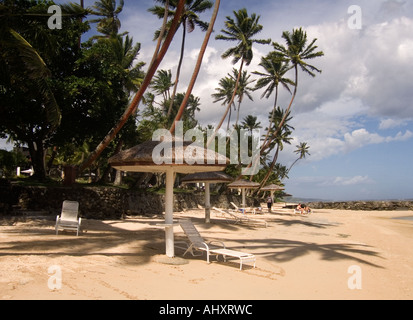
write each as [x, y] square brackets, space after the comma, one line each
[296, 211]
[197, 243]
[252, 210]
[239, 218]
[69, 219]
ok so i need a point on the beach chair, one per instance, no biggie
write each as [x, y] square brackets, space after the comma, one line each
[239, 218]
[242, 210]
[197, 243]
[296, 211]
[68, 219]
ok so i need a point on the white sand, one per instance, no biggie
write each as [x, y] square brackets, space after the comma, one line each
[297, 258]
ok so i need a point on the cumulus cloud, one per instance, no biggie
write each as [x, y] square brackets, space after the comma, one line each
[349, 181]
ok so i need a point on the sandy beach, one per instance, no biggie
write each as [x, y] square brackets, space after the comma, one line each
[330, 254]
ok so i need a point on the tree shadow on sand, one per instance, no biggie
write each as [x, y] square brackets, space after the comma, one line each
[281, 250]
[103, 238]
[38, 238]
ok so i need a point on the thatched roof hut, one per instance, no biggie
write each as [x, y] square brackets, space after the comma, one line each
[169, 156]
[243, 185]
[154, 156]
[207, 178]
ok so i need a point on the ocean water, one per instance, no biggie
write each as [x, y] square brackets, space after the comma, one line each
[410, 218]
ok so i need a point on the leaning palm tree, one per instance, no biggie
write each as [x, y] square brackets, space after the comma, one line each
[189, 20]
[283, 132]
[275, 69]
[197, 67]
[156, 60]
[297, 52]
[242, 31]
[302, 151]
[224, 93]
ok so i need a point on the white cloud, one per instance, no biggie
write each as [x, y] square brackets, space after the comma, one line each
[349, 181]
[391, 123]
[331, 181]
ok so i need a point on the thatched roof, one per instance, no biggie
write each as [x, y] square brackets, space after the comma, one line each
[154, 156]
[243, 184]
[211, 177]
[272, 187]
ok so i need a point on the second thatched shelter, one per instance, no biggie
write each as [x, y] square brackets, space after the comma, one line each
[243, 185]
[207, 178]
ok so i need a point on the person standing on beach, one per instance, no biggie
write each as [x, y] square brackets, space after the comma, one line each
[269, 203]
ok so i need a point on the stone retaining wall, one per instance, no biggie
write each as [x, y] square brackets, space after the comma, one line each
[100, 202]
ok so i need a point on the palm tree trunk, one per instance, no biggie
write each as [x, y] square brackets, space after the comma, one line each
[270, 169]
[286, 112]
[264, 181]
[269, 129]
[197, 66]
[178, 71]
[37, 155]
[266, 144]
[158, 44]
[272, 116]
[135, 102]
[229, 118]
[239, 107]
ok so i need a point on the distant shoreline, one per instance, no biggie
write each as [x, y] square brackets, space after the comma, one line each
[373, 205]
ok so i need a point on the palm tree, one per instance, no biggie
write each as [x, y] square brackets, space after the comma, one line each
[108, 23]
[157, 59]
[241, 30]
[125, 54]
[224, 93]
[197, 67]
[280, 120]
[302, 150]
[189, 20]
[243, 88]
[275, 69]
[297, 52]
[250, 123]
[162, 83]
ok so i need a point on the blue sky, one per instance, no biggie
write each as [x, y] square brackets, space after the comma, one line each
[357, 116]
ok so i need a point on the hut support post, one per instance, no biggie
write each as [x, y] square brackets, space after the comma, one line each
[169, 202]
[243, 197]
[207, 203]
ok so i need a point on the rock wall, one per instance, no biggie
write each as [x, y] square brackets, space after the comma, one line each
[364, 205]
[100, 202]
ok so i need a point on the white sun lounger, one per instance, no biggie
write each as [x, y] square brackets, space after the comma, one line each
[240, 218]
[252, 210]
[68, 219]
[197, 243]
